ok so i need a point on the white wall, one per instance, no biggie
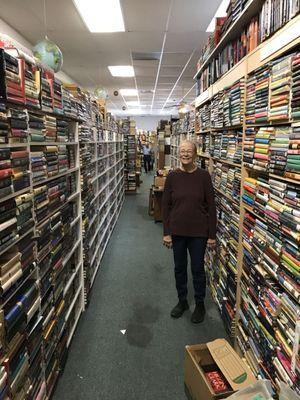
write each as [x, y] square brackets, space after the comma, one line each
[8, 30]
[149, 122]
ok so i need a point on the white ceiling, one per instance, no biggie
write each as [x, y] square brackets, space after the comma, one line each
[87, 55]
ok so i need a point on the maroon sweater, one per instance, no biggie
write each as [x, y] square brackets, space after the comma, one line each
[189, 204]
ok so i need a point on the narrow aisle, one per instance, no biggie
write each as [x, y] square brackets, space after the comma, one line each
[134, 290]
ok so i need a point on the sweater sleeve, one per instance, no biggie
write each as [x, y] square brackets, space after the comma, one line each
[167, 206]
[210, 199]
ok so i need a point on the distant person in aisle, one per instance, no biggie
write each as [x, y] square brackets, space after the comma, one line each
[147, 157]
[189, 221]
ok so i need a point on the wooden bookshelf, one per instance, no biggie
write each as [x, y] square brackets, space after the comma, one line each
[281, 43]
[255, 59]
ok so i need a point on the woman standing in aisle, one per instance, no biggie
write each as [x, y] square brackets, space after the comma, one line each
[189, 219]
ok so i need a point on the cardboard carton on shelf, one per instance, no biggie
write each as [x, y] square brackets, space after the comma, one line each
[218, 359]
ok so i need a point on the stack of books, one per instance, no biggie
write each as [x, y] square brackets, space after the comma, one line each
[280, 84]
[57, 96]
[20, 169]
[279, 146]
[46, 92]
[262, 94]
[37, 128]
[292, 169]
[261, 148]
[41, 202]
[51, 156]
[63, 160]
[295, 95]
[237, 102]
[13, 90]
[62, 131]
[18, 120]
[32, 83]
[4, 125]
[38, 164]
[6, 172]
[216, 116]
[50, 128]
[24, 207]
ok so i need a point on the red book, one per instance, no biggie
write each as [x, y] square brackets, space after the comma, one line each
[5, 173]
[14, 92]
[13, 85]
[19, 154]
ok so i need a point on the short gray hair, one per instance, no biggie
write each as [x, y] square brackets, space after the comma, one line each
[191, 143]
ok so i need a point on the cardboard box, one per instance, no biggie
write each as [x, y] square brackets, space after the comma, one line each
[159, 181]
[216, 355]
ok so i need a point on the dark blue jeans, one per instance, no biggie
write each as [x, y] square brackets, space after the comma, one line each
[196, 247]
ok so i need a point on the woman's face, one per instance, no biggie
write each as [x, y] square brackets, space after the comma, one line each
[186, 153]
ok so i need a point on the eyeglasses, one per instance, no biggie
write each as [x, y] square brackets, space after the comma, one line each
[187, 152]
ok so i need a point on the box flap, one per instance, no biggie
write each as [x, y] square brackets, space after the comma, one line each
[232, 366]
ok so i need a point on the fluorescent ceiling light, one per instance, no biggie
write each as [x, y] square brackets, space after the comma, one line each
[221, 12]
[125, 71]
[133, 103]
[134, 111]
[101, 15]
[128, 92]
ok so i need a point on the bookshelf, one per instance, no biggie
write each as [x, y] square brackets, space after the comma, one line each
[253, 273]
[52, 148]
[130, 156]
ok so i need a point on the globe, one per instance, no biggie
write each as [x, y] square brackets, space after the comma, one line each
[100, 93]
[49, 53]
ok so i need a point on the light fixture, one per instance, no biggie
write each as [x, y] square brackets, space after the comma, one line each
[124, 71]
[133, 111]
[221, 12]
[128, 92]
[133, 103]
[101, 15]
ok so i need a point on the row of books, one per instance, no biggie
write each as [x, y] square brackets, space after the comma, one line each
[270, 290]
[48, 161]
[273, 150]
[27, 83]
[225, 109]
[14, 171]
[272, 95]
[227, 146]
[273, 15]
[19, 125]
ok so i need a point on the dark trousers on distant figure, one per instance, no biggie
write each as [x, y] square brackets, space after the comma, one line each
[196, 247]
[147, 162]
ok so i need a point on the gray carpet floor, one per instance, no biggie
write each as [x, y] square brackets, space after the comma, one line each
[134, 290]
